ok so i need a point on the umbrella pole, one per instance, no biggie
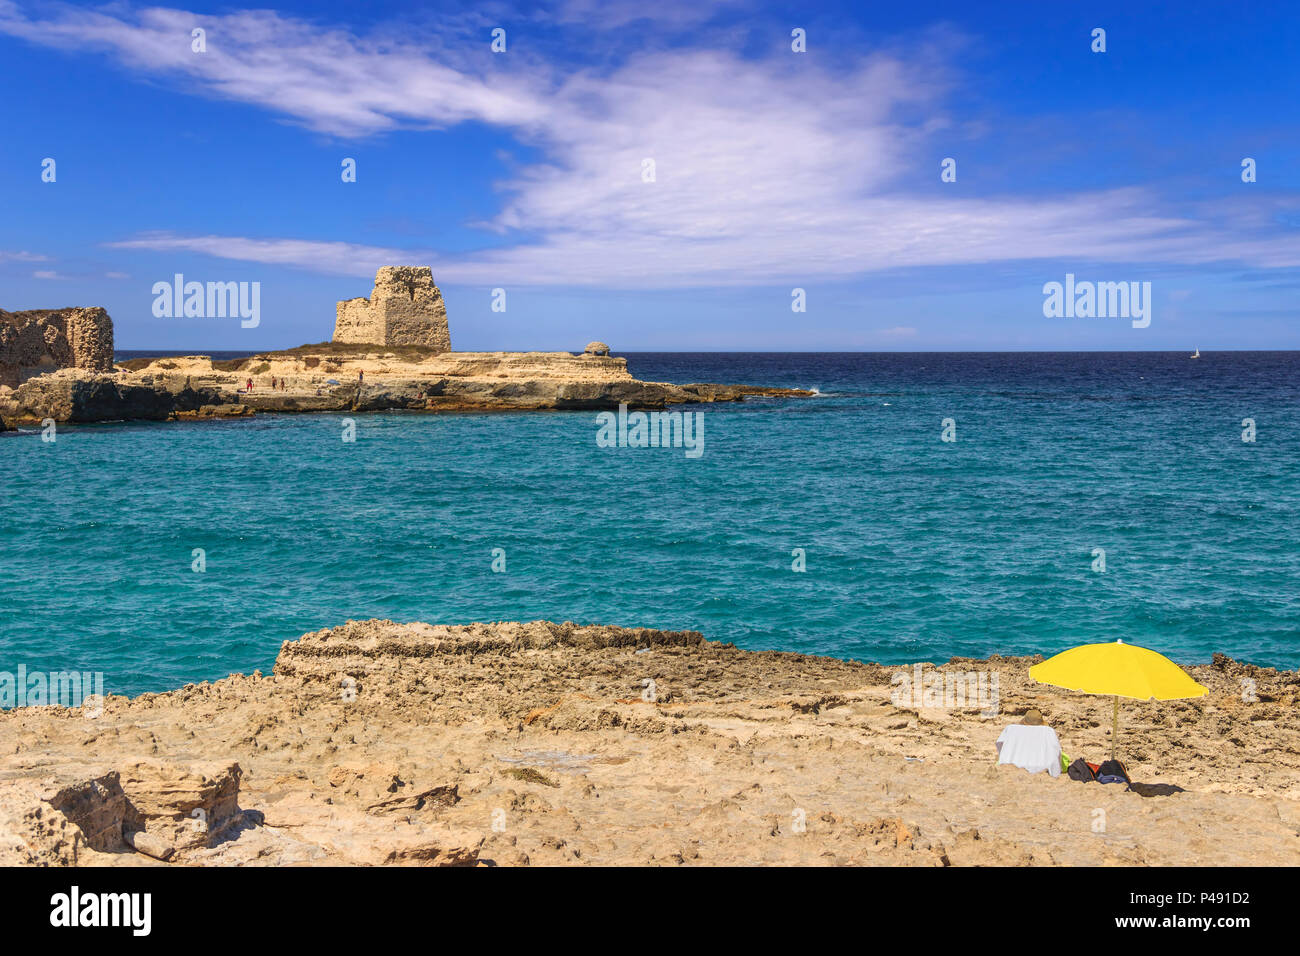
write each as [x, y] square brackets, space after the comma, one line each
[1114, 728]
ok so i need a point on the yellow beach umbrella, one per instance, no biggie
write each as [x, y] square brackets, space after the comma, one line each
[1118, 670]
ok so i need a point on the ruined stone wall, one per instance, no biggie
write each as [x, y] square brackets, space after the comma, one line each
[42, 340]
[404, 308]
[354, 322]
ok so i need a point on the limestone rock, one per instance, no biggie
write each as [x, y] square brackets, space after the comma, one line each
[179, 807]
[97, 806]
[31, 832]
[596, 348]
[334, 377]
[409, 845]
[59, 824]
[404, 308]
[375, 836]
[216, 411]
[533, 743]
[158, 809]
[42, 340]
[142, 841]
[72, 396]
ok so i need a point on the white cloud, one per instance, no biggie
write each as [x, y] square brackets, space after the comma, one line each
[326, 79]
[331, 258]
[767, 170]
[22, 257]
[47, 274]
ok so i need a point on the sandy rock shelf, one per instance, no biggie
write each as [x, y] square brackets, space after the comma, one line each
[334, 378]
[376, 743]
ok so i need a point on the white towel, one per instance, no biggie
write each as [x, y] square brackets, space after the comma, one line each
[1034, 748]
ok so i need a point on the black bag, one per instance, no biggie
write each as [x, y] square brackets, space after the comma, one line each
[1112, 771]
[1079, 770]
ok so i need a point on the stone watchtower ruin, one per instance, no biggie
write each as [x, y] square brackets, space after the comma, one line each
[42, 340]
[405, 308]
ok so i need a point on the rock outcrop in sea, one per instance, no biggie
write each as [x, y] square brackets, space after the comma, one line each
[390, 351]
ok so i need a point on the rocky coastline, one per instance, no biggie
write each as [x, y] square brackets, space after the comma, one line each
[382, 743]
[390, 351]
[335, 378]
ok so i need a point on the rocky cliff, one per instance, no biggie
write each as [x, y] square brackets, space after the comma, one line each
[404, 308]
[43, 340]
[70, 395]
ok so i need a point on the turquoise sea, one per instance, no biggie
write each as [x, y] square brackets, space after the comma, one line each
[916, 549]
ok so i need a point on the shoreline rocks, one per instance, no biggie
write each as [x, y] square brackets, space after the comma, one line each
[70, 396]
[391, 351]
[383, 743]
[351, 378]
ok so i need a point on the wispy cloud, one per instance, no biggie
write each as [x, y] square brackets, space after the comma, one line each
[330, 258]
[326, 79]
[770, 169]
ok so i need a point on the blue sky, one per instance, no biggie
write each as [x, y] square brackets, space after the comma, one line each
[773, 169]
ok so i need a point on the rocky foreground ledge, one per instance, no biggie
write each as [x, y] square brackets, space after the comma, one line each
[541, 743]
[334, 377]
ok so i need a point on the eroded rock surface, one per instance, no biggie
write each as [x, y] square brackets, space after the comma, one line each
[383, 743]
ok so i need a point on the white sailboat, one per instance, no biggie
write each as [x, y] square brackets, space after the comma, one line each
[1196, 354]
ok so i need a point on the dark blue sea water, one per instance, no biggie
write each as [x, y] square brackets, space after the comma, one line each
[916, 549]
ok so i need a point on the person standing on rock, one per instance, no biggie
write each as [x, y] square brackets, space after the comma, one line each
[250, 386]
